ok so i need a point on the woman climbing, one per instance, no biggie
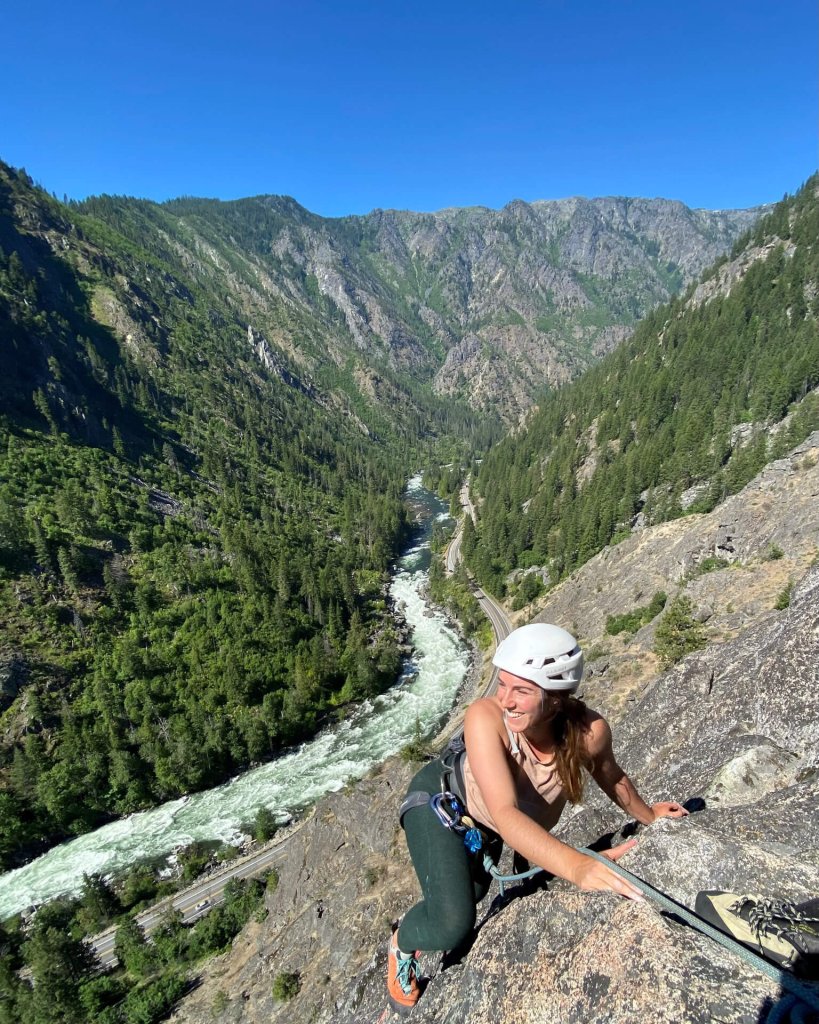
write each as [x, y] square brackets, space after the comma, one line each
[526, 748]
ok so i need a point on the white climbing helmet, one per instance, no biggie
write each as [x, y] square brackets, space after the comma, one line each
[544, 654]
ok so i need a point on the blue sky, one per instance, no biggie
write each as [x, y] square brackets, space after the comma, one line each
[352, 105]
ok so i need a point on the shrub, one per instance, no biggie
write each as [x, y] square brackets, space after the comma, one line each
[783, 598]
[633, 620]
[710, 564]
[597, 652]
[416, 749]
[285, 986]
[372, 875]
[774, 553]
[531, 587]
[485, 636]
[265, 825]
[149, 1002]
[629, 622]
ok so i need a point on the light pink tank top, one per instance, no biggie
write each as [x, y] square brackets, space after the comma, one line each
[540, 793]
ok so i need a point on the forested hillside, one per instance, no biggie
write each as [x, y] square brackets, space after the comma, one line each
[194, 533]
[707, 390]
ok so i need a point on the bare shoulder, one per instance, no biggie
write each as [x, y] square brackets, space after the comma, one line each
[484, 718]
[487, 750]
[484, 711]
[598, 733]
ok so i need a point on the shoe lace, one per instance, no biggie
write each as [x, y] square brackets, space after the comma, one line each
[774, 917]
[407, 969]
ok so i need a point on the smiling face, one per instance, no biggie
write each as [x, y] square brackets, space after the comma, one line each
[524, 704]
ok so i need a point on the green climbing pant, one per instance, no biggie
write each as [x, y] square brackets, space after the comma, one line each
[452, 880]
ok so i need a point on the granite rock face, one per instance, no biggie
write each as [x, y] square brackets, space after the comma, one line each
[733, 729]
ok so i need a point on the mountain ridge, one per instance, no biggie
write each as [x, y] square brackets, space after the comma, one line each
[405, 284]
[683, 413]
[289, 200]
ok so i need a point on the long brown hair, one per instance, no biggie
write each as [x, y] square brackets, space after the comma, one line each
[569, 727]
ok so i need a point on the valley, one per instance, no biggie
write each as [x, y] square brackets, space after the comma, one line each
[209, 418]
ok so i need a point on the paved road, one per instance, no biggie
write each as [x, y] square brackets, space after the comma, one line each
[453, 552]
[501, 626]
[202, 896]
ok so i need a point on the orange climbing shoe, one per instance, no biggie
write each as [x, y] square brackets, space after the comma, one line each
[402, 977]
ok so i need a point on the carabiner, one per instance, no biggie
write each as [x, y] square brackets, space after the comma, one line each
[450, 816]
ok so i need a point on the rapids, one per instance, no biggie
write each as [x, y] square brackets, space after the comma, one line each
[374, 731]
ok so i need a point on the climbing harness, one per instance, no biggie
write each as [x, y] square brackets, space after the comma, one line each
[452, 767]
[449, 805]
[450, 811]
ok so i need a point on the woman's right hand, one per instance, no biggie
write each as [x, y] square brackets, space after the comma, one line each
[592, 875]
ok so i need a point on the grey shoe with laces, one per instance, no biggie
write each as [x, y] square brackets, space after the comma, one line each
[786, 933]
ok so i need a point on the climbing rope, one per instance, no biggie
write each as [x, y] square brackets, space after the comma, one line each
[793, 1008]
[504, 880]
[807, 993]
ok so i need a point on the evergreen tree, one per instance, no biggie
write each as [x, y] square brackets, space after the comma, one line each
[678, 633]
[132, 949]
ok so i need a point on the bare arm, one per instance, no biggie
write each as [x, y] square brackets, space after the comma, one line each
[617, 786]
[486, 743]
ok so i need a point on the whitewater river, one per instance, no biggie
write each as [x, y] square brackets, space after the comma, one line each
[347, 751]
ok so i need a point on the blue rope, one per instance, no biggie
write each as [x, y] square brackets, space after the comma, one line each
[504, 880]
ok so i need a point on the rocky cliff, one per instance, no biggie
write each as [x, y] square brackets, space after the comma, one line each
[733, 728]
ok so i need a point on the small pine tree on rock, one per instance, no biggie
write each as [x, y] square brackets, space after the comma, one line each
[678, 633]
